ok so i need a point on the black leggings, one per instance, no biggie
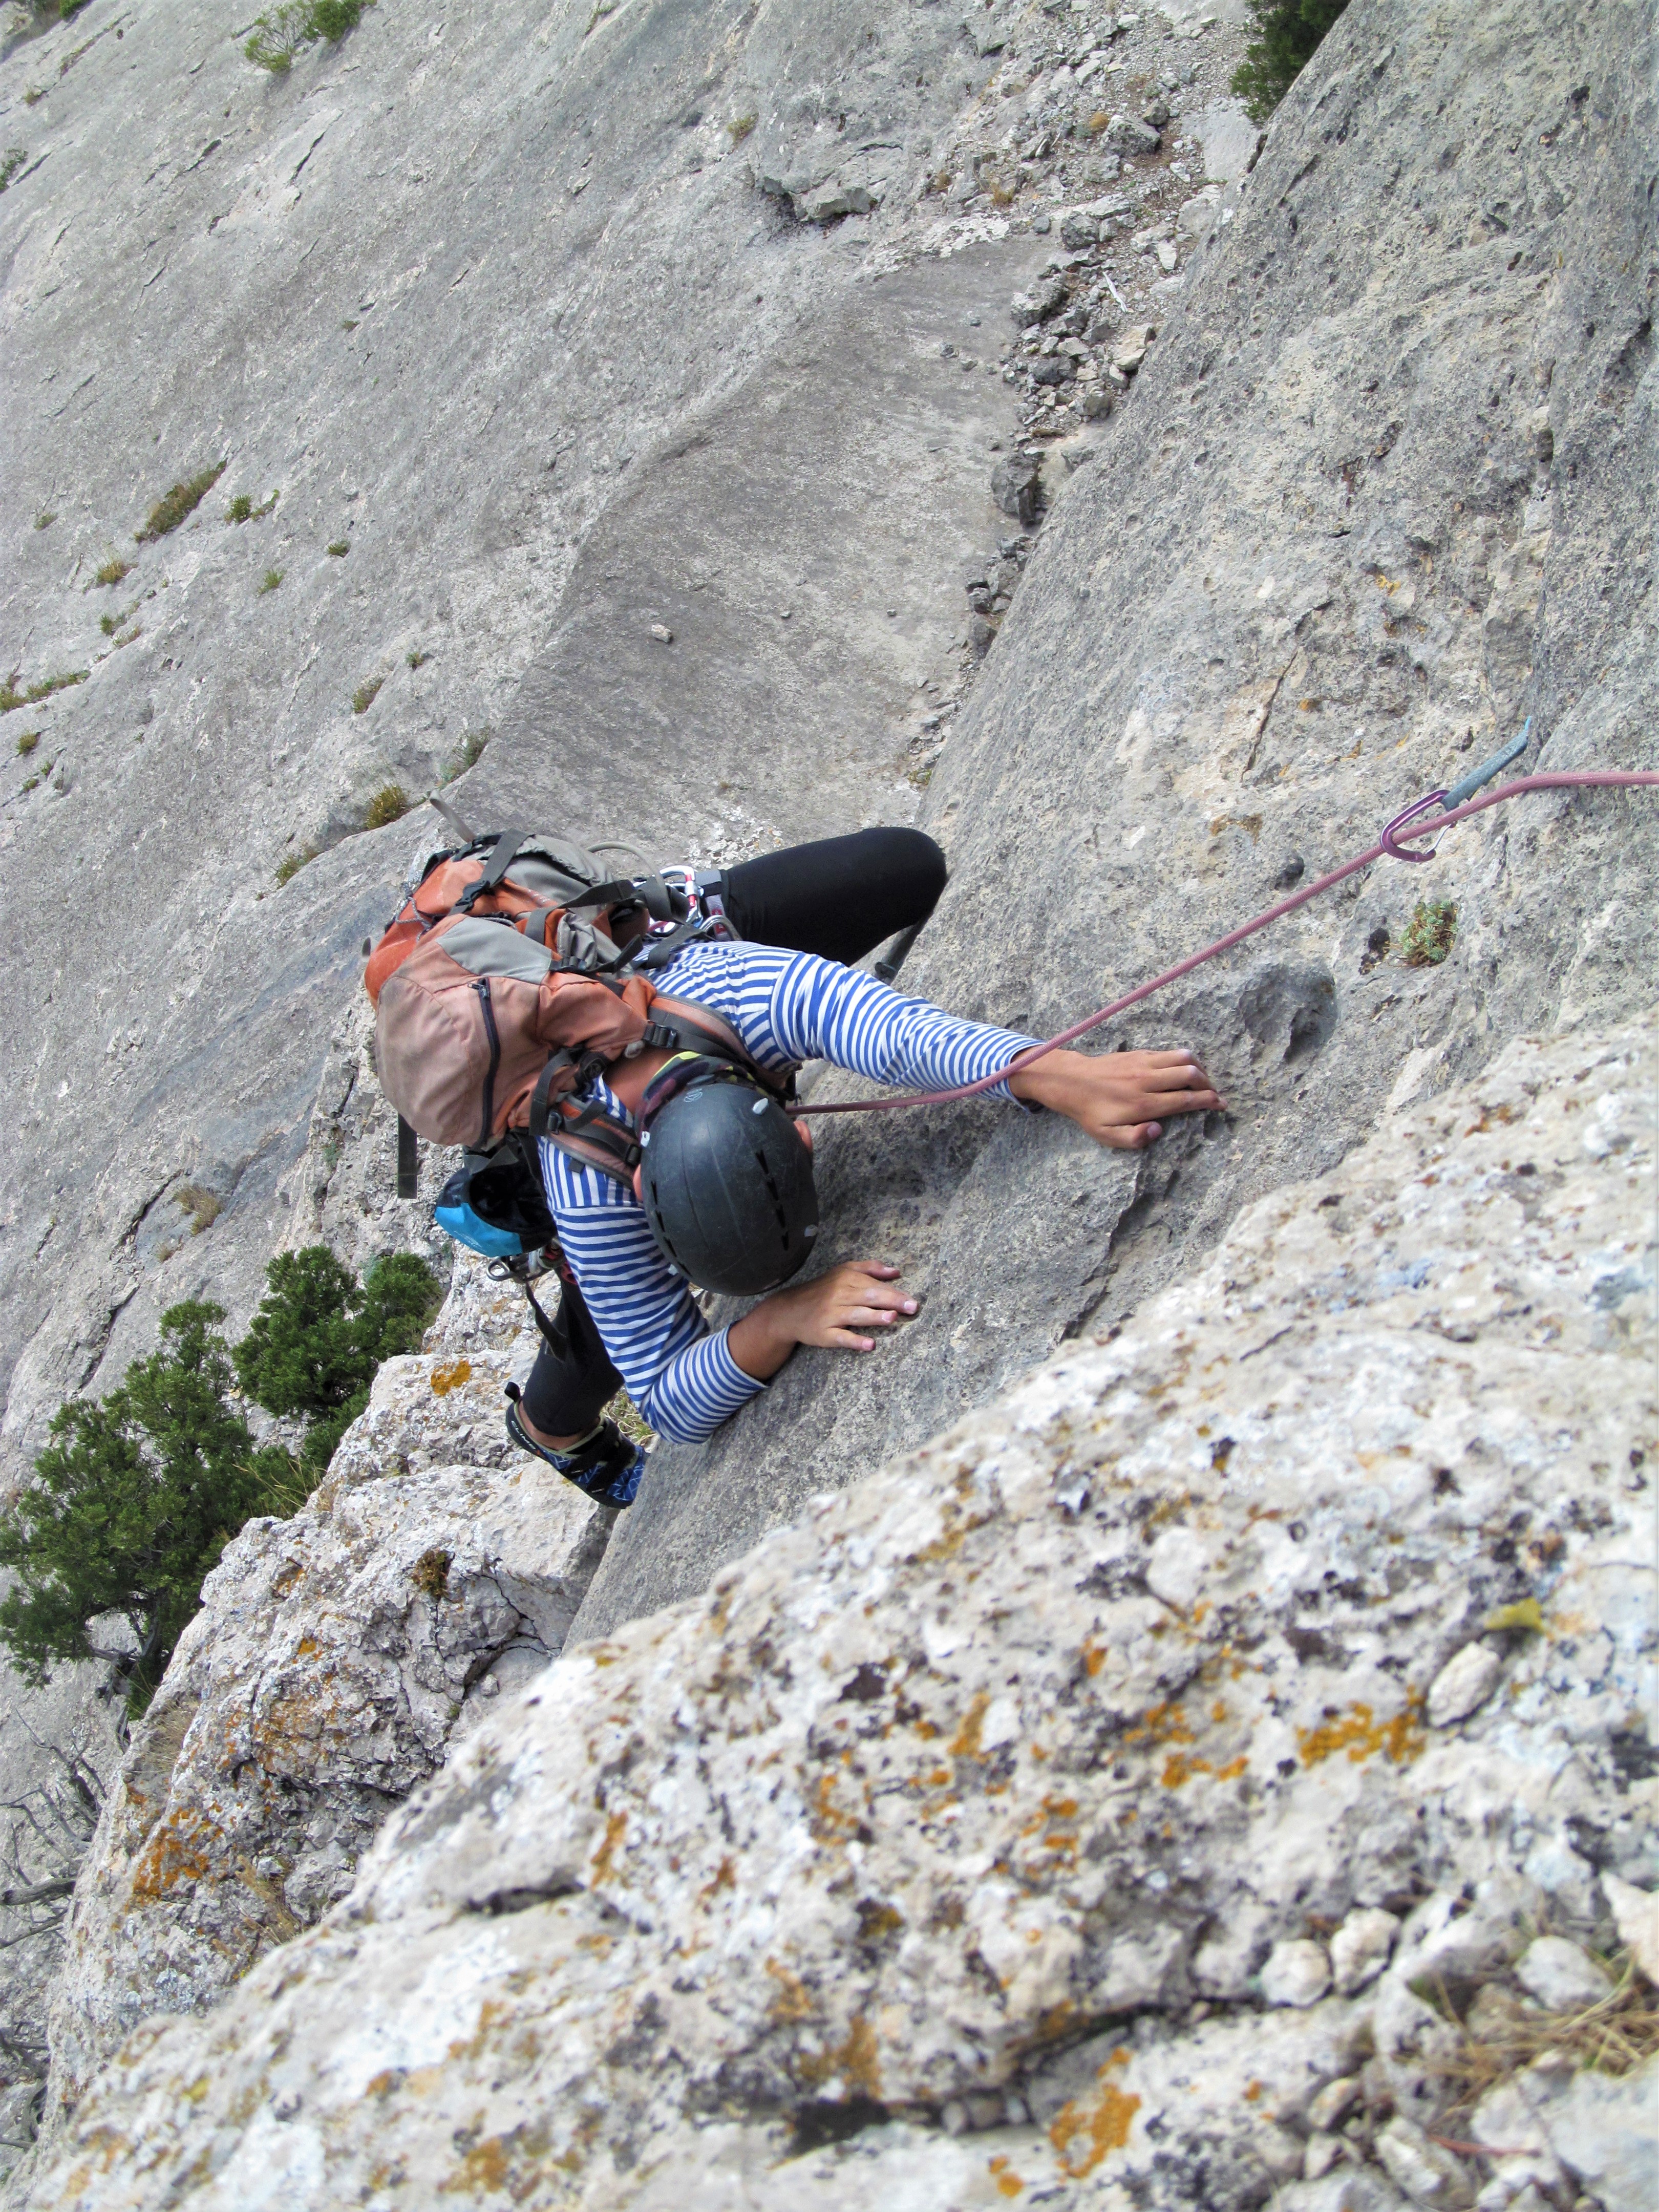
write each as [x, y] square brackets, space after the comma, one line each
[839, 899]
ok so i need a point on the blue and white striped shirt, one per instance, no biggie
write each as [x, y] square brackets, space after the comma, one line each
[786, 1007]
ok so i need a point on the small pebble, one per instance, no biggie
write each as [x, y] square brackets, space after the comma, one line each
[1297, 1972]
[1561, 1975]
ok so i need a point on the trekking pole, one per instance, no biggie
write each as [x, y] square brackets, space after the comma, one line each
[1404, 824]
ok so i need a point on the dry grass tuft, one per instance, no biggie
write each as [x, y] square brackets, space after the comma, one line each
[201, 1204]
[291, 863]
[1612, 2037]
[624, 1412]
[390, 804]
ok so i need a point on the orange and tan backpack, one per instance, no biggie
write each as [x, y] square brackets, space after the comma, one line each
[497, 992]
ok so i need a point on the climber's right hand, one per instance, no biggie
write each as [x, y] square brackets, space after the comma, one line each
[830, 1311]
[1120, 1099]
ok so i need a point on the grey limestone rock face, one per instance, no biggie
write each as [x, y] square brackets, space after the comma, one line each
[971, 1830]
[495, 305]
[335, 1658]
[453, 291]
[1385, 491]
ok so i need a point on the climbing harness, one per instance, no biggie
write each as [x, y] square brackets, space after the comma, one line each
[1457, 806]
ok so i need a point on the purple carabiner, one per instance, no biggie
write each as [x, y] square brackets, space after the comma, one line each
[1400, 851]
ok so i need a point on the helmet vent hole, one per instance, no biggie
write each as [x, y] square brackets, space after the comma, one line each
[778, 1207]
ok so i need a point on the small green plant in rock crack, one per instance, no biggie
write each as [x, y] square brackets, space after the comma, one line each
[469, 753]
[416, 658]
[1429, 935]
[430, 1573]
[45, 519]
[13, 162]
[269, 580]
[364, 697]
[291, 863]
[242, 509]
[390, 804]
[340, 549]
[27, 742]
[113, 571]
[739, 128]
[179, 504]
[11, 696]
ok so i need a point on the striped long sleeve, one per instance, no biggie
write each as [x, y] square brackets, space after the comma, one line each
[786, 1007]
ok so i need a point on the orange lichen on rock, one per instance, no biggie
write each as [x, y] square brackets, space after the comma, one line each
[1362, 1736]
[603, 1856]
[793, 2000]
[178, 1856]
[1008, 2183]
[1165, 1723]
[453, 1376]
[1086, 2131]
[965, 1742]
[856, 2062]
[1180, 1768]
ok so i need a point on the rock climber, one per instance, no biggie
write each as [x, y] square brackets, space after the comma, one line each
[728, 1189]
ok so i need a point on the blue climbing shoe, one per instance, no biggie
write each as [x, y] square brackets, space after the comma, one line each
[604, 1466]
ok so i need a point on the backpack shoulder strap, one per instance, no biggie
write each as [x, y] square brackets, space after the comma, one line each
[577, 1126]
[678, 1025]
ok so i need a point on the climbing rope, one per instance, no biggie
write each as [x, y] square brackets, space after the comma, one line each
[1407, 825]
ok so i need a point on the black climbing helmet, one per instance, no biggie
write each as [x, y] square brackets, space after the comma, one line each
[724, 1178]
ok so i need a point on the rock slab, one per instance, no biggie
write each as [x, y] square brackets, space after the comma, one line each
[956, 1795]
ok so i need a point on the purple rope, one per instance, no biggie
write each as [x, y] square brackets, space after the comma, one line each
[1574, 779]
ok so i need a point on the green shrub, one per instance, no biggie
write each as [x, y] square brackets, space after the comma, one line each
[318, 1338]
[280, 33]
[390, 804]
[112, 572]
[269, 580]
[1287, 32]
[27, 742]
[240, 508]
[132, 1501]
[180, 503]
[332, 18]
[135, 1496]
